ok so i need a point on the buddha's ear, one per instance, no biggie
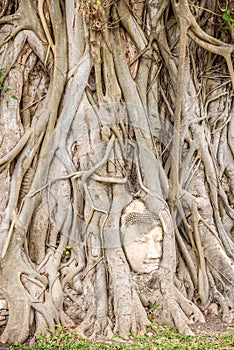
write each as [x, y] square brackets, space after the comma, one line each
[166, 221]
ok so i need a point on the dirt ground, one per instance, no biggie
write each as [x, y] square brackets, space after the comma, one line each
[213, 326]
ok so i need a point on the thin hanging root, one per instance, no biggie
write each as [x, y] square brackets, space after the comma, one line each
[15, 221]
[230, 67]
[108, 179]
[91, 268]
[223, 50]
[139, 177]
[69, 277]
[167, 103]
[175, 152]
[186, 224]
[210, 229]
[33, 103]
[38, 283]
[47, 55]
[72, 176]
[4, 7]
[203, 39]
[90, 172]
[24, 18]
[7, 243]
[93, 209]
[203, 284]
[187, 257]
[217, 44]
[131, 26]
[16, 150]
[45, 27]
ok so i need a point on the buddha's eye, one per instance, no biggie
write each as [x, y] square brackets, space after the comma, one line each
[142, 239]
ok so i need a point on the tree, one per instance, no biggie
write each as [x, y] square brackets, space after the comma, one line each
[116, 121]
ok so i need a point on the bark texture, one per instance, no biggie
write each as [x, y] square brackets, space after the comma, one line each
[103, 102]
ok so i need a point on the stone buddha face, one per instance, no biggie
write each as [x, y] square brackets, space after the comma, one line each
[142, 241]
[144, 252]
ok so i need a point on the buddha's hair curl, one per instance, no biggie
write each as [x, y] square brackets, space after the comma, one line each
[137, 213]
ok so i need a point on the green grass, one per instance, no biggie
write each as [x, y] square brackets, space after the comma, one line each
[156, 338]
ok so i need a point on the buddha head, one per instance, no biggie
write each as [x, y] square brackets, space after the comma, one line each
[142, 235]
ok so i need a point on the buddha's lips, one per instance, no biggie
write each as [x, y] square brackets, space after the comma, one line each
[150, 262]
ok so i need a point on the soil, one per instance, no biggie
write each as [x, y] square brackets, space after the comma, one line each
[213, 326]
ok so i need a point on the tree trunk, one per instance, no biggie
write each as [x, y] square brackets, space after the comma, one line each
[116, 134]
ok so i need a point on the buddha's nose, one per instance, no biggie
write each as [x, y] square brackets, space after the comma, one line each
[153, 250]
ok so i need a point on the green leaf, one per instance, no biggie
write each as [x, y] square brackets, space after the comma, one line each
[67, 252]
[7, 90]
[7, 104]
[1, 73]
[226, 16]
[68, 247]
[14, 97]
[226, 26]
[1, 86]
